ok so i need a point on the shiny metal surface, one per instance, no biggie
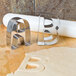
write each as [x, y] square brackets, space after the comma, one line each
[18, 25]
[51, 39]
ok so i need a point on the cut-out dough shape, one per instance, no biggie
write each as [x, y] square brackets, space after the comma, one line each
[34, 59]
[31, 66]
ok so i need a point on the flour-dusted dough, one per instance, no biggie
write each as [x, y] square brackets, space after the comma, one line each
[59, 61]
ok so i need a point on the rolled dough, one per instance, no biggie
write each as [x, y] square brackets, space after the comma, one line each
[59, 61]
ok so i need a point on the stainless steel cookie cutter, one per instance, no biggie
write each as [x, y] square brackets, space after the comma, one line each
[18, 25]
[48, 40]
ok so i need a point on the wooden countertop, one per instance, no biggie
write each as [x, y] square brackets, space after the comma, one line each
[11, 59]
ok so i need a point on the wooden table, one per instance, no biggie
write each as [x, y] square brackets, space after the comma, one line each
[11, 59]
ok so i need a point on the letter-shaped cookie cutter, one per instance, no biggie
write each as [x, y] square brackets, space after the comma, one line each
[46, 29]
[18, 25]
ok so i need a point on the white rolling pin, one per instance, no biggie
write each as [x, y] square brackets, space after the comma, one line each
[66, 27]
[33, 20]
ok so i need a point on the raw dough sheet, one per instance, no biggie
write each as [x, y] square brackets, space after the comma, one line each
[59, 61]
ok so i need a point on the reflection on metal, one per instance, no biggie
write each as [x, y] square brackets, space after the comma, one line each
[17, 40]
[18, 25]
[51, 39]
[48, 26]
